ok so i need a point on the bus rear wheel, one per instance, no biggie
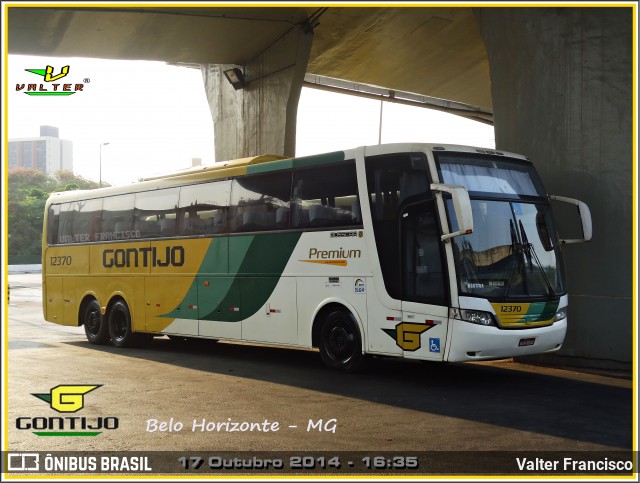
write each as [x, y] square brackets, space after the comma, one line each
[340, 342]
[95, 326]
[120, 329]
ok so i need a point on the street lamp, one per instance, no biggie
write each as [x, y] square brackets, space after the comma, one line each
[103, 144]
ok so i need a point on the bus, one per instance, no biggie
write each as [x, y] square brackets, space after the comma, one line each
[421, 251]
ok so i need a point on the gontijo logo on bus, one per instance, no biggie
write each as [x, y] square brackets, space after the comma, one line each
[407, 334]
[53, 88]
[143, 257]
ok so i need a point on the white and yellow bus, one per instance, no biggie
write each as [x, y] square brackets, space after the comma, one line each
[434, 252]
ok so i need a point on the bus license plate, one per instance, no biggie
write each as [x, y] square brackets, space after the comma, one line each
[525, 342]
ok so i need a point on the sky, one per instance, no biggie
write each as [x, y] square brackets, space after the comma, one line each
[155, 118]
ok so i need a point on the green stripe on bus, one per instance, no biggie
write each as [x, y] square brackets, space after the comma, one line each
[269, 166]
[304, 162]
[67, 433]
[255, 264]
[257, 275]
[541, 311]
[318, 160]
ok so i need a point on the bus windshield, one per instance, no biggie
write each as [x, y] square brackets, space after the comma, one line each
[490, 175]
[513, 252]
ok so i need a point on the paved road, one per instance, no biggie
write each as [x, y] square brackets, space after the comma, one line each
[393, 405]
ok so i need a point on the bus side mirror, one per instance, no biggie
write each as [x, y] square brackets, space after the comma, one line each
[585, 218]
[461, 206]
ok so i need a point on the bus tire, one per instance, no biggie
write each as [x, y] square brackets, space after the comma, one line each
[340, 341]
[95, 325]
[120, 329]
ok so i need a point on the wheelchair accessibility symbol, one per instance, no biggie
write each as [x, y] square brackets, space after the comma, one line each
[434, 344]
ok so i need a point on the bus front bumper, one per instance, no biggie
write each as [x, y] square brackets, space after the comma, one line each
[472, 342]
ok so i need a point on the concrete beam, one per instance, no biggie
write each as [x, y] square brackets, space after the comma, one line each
[261, 117]
[561, 81]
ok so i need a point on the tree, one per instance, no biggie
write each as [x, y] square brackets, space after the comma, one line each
[28, 190]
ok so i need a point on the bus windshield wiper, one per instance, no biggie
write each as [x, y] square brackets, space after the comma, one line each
[530, 253]
[516, 252]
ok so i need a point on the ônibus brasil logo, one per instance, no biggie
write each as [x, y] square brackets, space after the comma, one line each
[53, 88]
[67, 399]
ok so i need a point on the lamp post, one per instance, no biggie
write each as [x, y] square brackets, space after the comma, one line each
[102, 144]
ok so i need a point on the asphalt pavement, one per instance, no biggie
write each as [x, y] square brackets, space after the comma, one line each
[393, 405]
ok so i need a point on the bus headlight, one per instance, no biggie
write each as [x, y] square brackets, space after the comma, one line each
[561, 314]
[474, 316]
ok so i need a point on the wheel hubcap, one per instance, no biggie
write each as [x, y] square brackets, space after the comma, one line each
[120, 327]
[93, 322]
[340, 341]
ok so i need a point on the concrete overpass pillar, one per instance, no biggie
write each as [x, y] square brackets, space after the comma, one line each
[261, 118]
[561, 81]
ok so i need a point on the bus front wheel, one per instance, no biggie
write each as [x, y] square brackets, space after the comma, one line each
[95, 326]
[120, 329]
[340, 342]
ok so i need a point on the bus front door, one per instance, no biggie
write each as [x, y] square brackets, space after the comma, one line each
[423, 330]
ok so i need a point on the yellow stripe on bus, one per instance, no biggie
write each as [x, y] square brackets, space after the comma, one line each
[338, 263]
[518, 315]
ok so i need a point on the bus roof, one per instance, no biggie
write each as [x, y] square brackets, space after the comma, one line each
[217, 167]
[259, 164]
[226, 169]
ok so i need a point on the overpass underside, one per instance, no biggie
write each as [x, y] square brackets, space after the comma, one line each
[557, 83]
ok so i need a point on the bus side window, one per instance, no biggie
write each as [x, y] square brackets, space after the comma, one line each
[117, 215]
[65, 227]
[326, 197]
[257, 199]
[88, 220]
[155, 213]
[53, 220]
[203, 208]
[149, 227]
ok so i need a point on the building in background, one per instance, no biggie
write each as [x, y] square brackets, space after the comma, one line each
[47, 153]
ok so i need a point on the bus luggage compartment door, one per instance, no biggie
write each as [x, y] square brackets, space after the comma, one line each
[53, 300]
[219, 307]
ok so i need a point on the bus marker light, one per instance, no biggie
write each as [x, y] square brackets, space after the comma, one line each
[206, 284]
[234, 309]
